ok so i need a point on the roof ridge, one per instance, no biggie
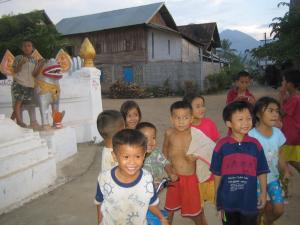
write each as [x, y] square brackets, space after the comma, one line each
[115, 10]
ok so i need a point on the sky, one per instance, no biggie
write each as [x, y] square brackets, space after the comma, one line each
[250, 16]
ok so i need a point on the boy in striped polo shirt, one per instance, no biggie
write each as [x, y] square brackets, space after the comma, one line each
[238, 160]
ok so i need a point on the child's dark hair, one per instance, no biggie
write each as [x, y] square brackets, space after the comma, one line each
[234, 107]
[108, 122]
[180, 105]
[145, 125]
[191, 97]
[129, 137]
[27, 40]
[292, 76]
[128, 105]
[242, 73]
[261, 105]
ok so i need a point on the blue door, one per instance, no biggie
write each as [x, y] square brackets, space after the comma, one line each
[128, 74]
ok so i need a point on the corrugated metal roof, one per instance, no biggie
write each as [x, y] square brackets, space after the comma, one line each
[108, 20]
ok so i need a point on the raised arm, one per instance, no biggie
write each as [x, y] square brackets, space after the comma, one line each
[38, 67]
[18, 63]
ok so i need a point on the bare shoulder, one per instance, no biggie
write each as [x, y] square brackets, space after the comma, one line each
[169, 132]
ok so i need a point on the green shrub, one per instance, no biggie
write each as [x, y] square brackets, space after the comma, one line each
[157, 91]
[218, 81]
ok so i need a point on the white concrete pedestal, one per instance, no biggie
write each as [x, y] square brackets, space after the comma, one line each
[61, 142]
[26, 165]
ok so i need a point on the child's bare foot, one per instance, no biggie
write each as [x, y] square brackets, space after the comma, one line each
[35, 126]
[47, 127]
[21, 124]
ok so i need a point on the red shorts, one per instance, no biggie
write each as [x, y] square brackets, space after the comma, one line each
[184, 194]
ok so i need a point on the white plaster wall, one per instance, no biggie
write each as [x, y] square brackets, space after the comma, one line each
[190, 52]
[161, 46]
[80, 98]
[210, 68]
[27, 167]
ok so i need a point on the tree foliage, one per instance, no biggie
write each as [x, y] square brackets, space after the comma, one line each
[34, 26]
[286, 44]
[226, 51]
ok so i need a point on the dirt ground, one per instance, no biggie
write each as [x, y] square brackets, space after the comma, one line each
[72, 203]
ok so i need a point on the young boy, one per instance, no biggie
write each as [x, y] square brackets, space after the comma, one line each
[109, 122]
[23, 85]
[238, 160]
[240, 92]
[155, 161]
[181, 194]
[126, 192]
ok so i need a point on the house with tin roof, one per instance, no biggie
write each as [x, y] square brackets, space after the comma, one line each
[139, 44]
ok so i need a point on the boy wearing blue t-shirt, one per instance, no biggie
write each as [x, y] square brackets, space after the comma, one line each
[126, 192]
[237, 161]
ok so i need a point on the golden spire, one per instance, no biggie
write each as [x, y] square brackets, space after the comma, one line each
[87, 52]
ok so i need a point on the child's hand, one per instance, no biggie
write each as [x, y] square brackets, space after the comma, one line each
[173, 177]
[164, 221]
[192, 157]
[23, 61]
[262, 200]
[251, 100]
[287, 174]
[220, 214]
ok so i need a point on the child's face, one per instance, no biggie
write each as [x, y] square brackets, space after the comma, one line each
[243, 83]
[181, 119]
[288, 86]
[132, 118]
[269, 115]
[241, 122]
[198, 108]
[27, 48]
[130, 159]
[150, 134]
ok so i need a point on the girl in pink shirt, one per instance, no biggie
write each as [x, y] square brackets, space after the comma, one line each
[208, 127]
[290, 100]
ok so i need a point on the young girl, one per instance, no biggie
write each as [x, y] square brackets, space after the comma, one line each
[131, 113]
[208, 127]
[266, 111]
[205, 124]
[155, 162]
[290, 100]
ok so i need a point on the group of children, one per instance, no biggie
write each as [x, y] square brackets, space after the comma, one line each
[239, 172]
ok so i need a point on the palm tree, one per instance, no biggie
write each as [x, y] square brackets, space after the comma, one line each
[226, 51]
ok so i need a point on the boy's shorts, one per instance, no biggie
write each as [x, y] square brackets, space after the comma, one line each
[182, 195]
[21, 93]
[274, 190]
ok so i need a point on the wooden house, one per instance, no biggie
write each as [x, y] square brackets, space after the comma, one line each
[139, 44]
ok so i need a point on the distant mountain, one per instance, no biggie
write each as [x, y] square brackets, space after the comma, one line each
[240, 41]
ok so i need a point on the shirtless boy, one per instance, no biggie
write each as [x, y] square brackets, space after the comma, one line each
[182, 168]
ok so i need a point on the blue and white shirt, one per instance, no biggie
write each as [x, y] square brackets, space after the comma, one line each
[271, 146]
[125, 203]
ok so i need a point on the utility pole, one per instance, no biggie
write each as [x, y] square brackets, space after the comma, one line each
[266, 60]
